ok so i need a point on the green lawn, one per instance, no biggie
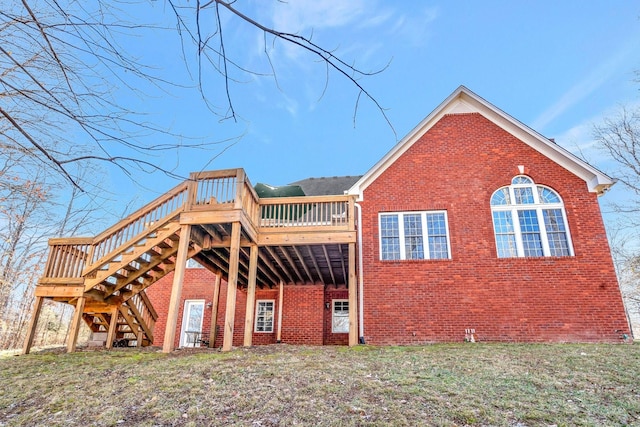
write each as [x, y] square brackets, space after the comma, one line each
[458, 384]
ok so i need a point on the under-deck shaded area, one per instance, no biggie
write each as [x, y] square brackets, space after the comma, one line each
[217, 219]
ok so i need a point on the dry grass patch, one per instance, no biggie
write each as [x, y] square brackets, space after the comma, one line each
[472, 384]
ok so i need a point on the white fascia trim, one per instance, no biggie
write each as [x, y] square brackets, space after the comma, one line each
[400, 148]
[596, 180]
[462, 100]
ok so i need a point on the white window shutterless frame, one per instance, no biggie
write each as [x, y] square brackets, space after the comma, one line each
[529, 220]
[414, 235]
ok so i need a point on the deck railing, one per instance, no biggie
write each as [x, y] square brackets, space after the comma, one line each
[250, 202]
[67, 257]
[318, 212]
[213, 188]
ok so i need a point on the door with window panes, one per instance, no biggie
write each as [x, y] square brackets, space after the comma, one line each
[340, 316]
[192, 323]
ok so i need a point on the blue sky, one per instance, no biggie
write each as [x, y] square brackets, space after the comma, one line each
[558, 67]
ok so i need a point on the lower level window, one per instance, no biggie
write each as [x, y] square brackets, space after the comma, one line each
[340, 317]
[414, 235]
[264, 316]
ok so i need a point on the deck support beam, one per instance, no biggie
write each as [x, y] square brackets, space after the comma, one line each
[280, 298]
[353, 297]
[251, 296]
[214, 310]
[176, 290]
[113, 326]
[72, 340]
[232, 286]
[33, 323]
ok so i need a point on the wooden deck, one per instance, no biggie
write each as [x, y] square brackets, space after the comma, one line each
[216, 218]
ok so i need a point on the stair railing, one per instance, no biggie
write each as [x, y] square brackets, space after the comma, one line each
[128, 231]
[144, 312]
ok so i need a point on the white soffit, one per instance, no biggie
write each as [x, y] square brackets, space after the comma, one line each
[463, 101]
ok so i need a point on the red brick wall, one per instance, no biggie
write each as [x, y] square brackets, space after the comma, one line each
[302, 309]
[456, 167]
[302, 314]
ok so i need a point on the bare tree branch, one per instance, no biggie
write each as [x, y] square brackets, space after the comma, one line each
[39, 147]
[61, 61]
[308, 45]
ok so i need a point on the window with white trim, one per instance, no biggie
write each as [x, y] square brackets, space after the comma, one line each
[192, 263]
[414, 235]
[264, 315]
[340, 316]
[529, 220]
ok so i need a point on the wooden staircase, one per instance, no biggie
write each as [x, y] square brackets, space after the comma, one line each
[112, 270]
[122, 277]
[132, 325]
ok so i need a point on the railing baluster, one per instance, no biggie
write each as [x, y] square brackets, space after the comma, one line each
[309, 211]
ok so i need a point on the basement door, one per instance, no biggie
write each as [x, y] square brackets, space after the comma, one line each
[192, 323]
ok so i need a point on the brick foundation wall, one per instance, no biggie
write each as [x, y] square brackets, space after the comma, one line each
[456, 166]
[302, 314]
[302, 320]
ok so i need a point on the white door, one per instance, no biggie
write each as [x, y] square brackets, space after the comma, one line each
[192, 323]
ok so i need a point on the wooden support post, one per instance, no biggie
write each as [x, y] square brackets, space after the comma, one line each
[139, 336]
[75, 325]
[33, 323]
[240, 178]
[176, 290]
[113, 327]
[214, 310]
[280, 298]
[353, 297]
[251, 296]
[232, 285]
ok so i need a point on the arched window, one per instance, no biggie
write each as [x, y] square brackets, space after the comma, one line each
[529, 221]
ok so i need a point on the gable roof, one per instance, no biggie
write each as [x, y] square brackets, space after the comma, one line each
[464, 101]
[327, 186]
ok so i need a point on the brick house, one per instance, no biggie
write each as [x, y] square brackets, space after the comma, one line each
[473, 226]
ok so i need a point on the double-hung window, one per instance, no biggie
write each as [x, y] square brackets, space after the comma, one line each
[264, 316]
[414, 235]
[529, 220]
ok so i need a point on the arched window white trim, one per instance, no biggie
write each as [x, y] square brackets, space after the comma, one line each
[529, 220]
